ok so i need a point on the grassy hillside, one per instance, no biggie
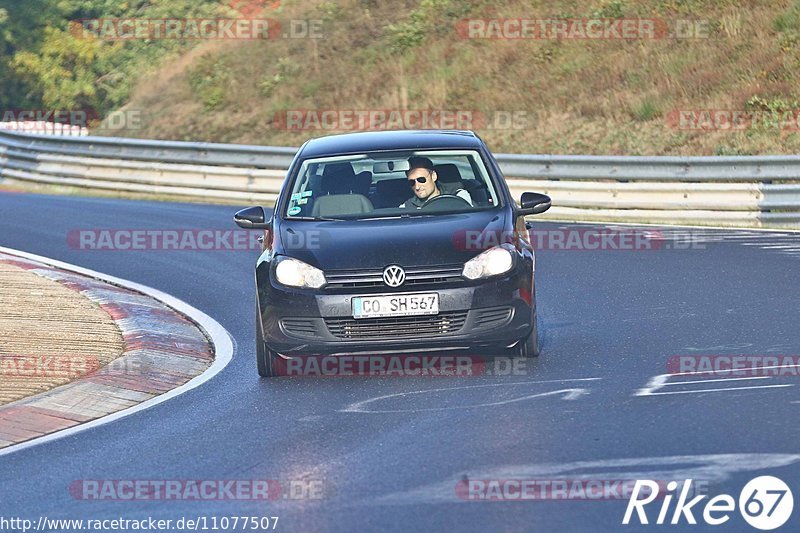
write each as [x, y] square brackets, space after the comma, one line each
[608, 96]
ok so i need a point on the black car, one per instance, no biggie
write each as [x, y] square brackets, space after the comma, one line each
[360, 258]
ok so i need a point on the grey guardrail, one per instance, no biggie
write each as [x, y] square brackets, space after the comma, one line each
[738, 191]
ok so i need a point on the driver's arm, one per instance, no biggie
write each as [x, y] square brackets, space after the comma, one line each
[463, 193]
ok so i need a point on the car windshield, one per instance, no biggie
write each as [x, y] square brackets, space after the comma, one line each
[388, 184]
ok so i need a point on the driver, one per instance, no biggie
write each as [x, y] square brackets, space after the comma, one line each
[423, 181]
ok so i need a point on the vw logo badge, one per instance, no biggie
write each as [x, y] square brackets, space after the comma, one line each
[394, 275]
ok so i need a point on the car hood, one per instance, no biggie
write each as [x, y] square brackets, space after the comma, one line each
[412, 241]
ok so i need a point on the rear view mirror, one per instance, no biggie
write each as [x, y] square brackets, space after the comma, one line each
[253, 218]
[386, 167]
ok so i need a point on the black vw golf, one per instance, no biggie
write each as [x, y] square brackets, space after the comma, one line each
[394, 242]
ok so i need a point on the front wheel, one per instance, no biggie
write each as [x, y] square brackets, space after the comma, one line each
[265, 358]
[530, 346]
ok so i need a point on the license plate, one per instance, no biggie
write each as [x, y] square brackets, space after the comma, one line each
[395, 305]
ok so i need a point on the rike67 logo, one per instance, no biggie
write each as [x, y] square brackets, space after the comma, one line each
[765, 503]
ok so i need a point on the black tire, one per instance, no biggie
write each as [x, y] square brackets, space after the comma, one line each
[265, 358]
[529, 347]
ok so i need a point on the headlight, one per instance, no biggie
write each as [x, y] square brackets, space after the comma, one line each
[294, 273]
[494, 261]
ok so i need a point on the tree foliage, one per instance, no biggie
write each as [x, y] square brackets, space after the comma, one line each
[43, 65]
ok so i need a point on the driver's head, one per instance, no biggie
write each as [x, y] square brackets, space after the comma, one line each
[421, 177]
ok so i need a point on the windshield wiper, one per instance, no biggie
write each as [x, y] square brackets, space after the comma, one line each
[383, 217]
[317, 218]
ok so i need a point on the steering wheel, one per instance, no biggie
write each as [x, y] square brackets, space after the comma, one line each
[447, 201]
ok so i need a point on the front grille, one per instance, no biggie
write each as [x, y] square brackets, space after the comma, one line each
[492, 317]
[300, 327]
[403, 327]
[351, 279]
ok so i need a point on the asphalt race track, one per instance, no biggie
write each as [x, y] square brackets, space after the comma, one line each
[590, 408]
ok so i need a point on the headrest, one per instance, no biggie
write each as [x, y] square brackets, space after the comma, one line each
[448, 173]
[338, 178]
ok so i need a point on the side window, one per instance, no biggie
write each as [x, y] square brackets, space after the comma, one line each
[302, 196]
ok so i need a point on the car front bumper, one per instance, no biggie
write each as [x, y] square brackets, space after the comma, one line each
[483, 318]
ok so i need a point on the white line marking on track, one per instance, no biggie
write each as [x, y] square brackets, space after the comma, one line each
[569, 394]
[712, 380]
[222, 340]
[662, 380]
[714, 390]
[668, 226]
[738, 346]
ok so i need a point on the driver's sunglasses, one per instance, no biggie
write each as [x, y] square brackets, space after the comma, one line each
[421, 179]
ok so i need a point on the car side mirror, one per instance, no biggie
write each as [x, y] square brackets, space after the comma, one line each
[253, 218]
[533, 203]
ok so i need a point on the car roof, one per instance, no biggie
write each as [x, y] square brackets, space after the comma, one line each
[376, 141]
